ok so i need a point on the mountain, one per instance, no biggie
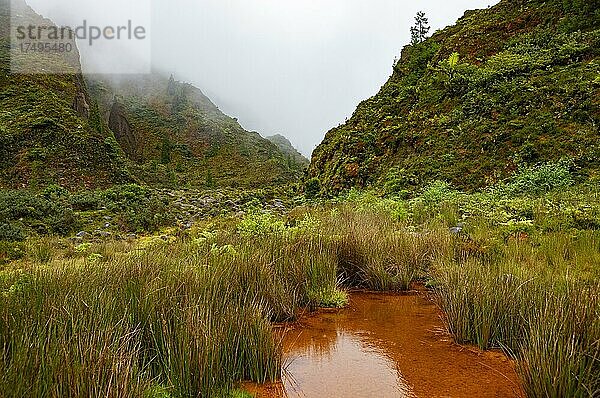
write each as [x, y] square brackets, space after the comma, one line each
[50, 130]
[82, 132]
[291, 153]
[512, 85]
[173, 133]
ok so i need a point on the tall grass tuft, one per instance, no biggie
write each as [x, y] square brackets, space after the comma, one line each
[560, 355]
[114, 330]
[537, 300]
[378, 253]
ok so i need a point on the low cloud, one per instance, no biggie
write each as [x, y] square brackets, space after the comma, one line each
[297, 68]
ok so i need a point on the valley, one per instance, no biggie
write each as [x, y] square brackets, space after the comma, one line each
[443, 242]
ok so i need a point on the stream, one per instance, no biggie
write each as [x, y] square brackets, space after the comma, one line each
[385, 345]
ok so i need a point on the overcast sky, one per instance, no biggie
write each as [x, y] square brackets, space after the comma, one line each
[294, 67]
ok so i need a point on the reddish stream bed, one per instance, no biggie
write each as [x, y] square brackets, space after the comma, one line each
[385, 345]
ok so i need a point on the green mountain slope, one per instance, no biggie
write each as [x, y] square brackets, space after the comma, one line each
[50, 131]
[522, 87]
[292, 155]
[84, 133]
[174, 134]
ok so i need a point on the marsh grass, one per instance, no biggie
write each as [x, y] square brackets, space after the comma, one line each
[188, 316]
[115, 329]
[536, 298]
[42, 250]
[378, 253]
[191, 315]
[560, 355]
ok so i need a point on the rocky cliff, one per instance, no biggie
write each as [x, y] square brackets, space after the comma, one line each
[173, 132]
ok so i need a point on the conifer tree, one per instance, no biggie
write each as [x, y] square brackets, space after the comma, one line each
[419, 31]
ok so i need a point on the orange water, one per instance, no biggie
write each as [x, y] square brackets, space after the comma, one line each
[385, 345]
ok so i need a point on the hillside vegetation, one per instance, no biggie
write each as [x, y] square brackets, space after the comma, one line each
[50, 130]
[89, 133]
[506, 87]
[189, 312]
[288, 149]
[480, 156]
[174, 135]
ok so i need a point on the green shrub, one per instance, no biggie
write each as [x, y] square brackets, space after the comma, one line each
[258, 223]
[398, 182]
[436, 193]
[21, 204]
[61, 220]
[328, 297]
[55, 193]
[49, 211]
[137, 208]
[540, 179]
[312, 188]
[11, 233]
[10, 251]
[85, 201]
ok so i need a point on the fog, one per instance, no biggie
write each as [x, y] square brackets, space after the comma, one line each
[294, 67]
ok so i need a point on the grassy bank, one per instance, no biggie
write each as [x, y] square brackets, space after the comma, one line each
[186, 315]
[188, 312]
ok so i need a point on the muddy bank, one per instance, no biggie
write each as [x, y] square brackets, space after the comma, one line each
[386, 345]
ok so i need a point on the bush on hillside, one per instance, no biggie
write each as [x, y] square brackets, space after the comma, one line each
[312, 187]
[11, 233]
[540, 179]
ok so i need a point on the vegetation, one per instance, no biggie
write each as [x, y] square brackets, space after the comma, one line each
[120, 212]
[504, 89]
[482, 155]
[56, 211]
[84, 134]
[292, 155]
[43, 137]
[188, 312]
[418, 33]
[175, 136]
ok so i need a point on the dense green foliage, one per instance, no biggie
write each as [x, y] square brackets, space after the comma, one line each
[173, 292]
[118, 212]
[505, 88]
[59, 212]
[72, 131]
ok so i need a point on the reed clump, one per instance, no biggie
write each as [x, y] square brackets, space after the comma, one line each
[538, 299]
[189, 315]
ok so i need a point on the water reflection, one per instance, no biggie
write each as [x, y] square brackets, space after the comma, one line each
[385, 346]
[350, 366]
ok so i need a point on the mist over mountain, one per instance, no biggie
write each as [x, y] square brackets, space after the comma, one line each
[171, 130]
[442, 240]
[286, 147]
[299, 67]
[99, 130]
[458, 106]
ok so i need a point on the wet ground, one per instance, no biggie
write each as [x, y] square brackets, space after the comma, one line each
[383, 346]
